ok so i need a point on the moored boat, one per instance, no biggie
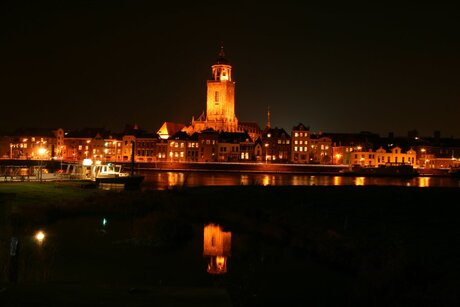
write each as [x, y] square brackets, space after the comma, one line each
[111, 174]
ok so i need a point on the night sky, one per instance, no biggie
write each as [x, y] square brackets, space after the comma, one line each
[77, 64]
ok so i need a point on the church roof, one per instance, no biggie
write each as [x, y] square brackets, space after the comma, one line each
[300, 127]
[169, 128]
[275, 132]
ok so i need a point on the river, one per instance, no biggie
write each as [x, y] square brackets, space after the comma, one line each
[167, 180]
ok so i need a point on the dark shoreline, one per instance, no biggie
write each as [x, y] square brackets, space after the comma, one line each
[321, 245]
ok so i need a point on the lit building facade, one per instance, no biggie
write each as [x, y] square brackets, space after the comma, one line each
[36, 144]
[310, 148]
[320, 149]
[183, 148]
[300, 141]
[208, 141]
[276, 145]
[233, 146]
[382, 157]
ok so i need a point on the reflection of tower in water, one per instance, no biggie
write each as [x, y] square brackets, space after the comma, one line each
[217, 246]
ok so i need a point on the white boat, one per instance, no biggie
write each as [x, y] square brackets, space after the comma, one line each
[110, 173]
[108, 170]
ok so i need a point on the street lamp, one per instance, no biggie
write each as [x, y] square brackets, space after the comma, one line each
[337, 157]
[41, 152]
[40, 237]
[423, 156]
[266, 153]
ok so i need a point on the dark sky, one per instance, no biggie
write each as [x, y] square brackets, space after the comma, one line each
[95, 63]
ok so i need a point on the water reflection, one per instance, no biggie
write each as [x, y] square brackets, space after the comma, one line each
[360, 181]
[112, 186]
[168, 180]
[216, 246]
[337, 180]
[423, 182]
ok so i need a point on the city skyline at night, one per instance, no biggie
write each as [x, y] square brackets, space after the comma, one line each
[375, 69]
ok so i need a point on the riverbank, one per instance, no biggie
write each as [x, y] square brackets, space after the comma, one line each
[55, 167]
[369, 245]
[200, 167]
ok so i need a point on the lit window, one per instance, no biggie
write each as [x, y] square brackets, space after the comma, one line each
[295, 142]
[279, 141]
[287, 141]
[301, 142]
[305, 148]
[301, 134]
[80, 147]
[301, 148]
[296, 134]
[295, 148]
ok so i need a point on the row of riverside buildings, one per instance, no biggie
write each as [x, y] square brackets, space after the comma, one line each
[218, 136]
[272, 145]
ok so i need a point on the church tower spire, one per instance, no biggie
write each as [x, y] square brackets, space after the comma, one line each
[222, 70]
[268, 117]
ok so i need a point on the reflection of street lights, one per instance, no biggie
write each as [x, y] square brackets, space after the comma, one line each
[41, 152]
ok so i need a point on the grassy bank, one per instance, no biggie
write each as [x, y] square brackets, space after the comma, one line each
[339, 246]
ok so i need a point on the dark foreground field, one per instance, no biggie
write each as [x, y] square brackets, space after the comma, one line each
[291, 246]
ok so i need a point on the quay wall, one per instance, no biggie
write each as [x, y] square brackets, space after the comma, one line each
[199, 166]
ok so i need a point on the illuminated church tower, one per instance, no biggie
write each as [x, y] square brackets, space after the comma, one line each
[220, 103]
[220, 112]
